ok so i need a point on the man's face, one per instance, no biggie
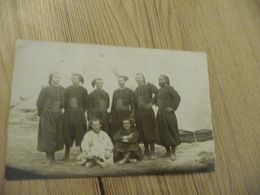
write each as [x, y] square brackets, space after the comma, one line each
[96, 126]
[161, 81]
[99, 83]
[56, 78]
[75, 80]
[121, 82]
[139, 79]
[126, 124]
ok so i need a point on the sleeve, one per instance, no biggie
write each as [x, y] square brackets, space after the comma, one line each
[117, 137]
[135, 96]
[109, 144]
[155, 92]
[113, 102]
[85, 144]
[86, 99]
[66, 99]
[132, 103]
[62, 98]
[107, 100]
[176, 98]
[135, 137]
[40, 101]
[108, 149]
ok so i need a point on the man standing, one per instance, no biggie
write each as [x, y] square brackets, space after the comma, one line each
[98, 103]
[145, 96]
[167, 133]
[49, 105]
[75, 107]
[123, 104]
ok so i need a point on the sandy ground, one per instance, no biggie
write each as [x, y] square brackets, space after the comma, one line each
[22, 154]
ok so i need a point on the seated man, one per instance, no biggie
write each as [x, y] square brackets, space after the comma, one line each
[97, 147]
[126, 144]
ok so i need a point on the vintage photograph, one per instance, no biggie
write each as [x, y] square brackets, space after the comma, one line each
[80, 110]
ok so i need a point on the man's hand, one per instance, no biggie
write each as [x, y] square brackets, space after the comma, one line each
[130, 136]
[169, 109]
[125, 138]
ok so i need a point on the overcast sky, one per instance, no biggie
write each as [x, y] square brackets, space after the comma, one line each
[188, 73]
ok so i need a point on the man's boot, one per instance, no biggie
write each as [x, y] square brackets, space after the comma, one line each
[146, 149]
[67, 154]
[51, 158]
[153, 156]
[173, 154]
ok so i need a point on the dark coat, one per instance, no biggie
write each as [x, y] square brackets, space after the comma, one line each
[75, 123]
[50, 132]
[131, 146]
[98, 103]
[123, 105]
[145, 97]
[167, 133]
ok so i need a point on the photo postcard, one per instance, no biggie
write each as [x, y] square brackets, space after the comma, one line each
[80, 110]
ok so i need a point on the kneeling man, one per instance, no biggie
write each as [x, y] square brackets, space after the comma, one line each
[126, 143]
[97, 147]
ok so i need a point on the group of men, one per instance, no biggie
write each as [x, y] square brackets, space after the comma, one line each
[113, 136]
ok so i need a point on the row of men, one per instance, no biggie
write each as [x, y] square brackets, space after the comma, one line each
[57, 129]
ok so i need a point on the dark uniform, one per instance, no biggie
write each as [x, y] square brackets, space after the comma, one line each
[98, 103]
[167, 133]
[123, 104]
[144, 114]
[132, 146]
[50, 134]
[75, 120]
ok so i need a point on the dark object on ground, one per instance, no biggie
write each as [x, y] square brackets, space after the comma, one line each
[196, 136]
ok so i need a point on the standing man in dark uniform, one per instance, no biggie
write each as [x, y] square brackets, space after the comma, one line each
[49, 105]
[123, 104]
[145, 97]
[74, 116]
[98, 103]
[167, 133]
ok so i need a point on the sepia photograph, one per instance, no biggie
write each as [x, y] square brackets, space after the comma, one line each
[81, 110]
